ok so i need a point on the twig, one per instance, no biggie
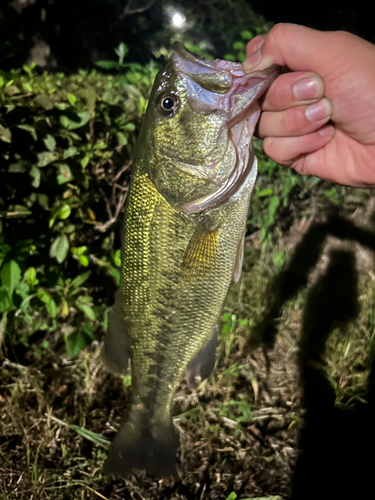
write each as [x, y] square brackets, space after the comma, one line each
[94, 491]
[112, 218]
[124, 168]
[129, 12]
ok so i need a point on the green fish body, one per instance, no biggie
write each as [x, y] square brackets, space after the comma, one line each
[182, 246]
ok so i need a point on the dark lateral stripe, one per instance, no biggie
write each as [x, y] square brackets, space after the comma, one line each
[166, 302]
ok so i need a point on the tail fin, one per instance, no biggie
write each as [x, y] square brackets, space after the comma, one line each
[134, 448]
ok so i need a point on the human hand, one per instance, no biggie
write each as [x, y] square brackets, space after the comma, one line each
[319, 118]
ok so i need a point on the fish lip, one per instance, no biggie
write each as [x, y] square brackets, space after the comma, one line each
[223, 74]
[237, 94]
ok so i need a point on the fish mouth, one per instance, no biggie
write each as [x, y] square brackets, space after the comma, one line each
[223, 85]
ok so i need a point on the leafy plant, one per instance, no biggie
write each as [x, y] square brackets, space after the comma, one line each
[66, 143]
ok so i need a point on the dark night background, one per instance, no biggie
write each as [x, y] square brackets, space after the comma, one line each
[71, 34]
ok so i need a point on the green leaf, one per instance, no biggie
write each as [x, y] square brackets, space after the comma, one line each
[64, 211]
[80, 279]
[121, 139]
[44, 101]
[30, 129]
[59, 248]
[91, 436]
[45, 158]
[72, 99]
[64, 306]
[79, 250]
[246, 35]
[50, 304]
[116, 274]
[117, 258]
[12, 89]
[127, 380]
[27, 87]
[80, 119]
[108, 64]
[75, 343]
[229, 57]
[9, 107]
[5, 134]
[121, 51]
[238, 45]
[279, 258]
[65, 174]
[50, 142]
[42, 200]
[70, 228]
[86, 309]
[72, 151]
[17, 168]
[84, 260]
[35, 175]
[264, 192]
[62, 106]
[129, 127]
[11, 276]
[30, 276]
[61, 212]
[85, 161]
[232, 496]
[28, 70]
[5, 300]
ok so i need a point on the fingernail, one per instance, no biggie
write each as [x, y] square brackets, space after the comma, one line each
[319, 111]
[252, 61]
[308, 89]
[327, 131]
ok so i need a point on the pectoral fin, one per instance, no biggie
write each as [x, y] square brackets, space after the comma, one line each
[116, 351]
[201, 253]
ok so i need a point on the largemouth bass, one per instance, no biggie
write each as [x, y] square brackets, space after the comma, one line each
[183, 241]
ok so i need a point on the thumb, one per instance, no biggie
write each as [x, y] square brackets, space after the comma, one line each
[297, 47]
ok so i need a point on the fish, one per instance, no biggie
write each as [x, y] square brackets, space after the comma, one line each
[182, 244]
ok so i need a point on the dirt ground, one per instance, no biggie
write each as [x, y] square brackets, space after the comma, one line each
[286, 414]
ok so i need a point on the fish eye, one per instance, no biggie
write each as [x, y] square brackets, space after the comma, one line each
[168, 104]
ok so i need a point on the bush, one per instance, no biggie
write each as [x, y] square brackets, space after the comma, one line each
[65, 148]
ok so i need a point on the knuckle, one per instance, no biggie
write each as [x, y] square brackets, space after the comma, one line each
[291, 121]
[278, 30]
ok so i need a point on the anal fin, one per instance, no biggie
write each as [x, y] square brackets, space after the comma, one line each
[203, 363]
[116, 350]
